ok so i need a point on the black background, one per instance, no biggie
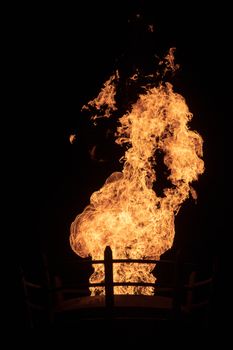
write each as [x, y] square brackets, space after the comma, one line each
[61, 57]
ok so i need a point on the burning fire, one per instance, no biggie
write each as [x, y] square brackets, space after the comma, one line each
[126, 213]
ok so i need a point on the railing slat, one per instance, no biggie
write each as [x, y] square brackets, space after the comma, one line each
[108, 266]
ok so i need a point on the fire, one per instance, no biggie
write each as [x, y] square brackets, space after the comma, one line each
[72, 138]
[105, 98]
[126, 213]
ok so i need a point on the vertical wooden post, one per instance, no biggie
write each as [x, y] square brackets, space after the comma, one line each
[50, 289]
[108, 267]
[189, 296]
[177, 288]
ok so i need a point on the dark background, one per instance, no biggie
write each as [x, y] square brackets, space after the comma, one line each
[61, 57]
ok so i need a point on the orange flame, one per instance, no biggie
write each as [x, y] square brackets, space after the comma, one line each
[126, 213]
[105, 98]
[72, 138]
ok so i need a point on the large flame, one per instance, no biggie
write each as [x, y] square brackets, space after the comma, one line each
[126, 213]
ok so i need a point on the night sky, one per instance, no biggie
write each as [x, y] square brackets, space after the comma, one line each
[63, 55]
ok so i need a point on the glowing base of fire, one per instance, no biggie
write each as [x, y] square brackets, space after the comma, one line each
[122, 272]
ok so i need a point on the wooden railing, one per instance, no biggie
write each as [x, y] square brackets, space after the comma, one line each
[109, 282]
[174, 290]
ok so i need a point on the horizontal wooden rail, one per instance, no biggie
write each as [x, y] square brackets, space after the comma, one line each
[199, 284]
[121, 261]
